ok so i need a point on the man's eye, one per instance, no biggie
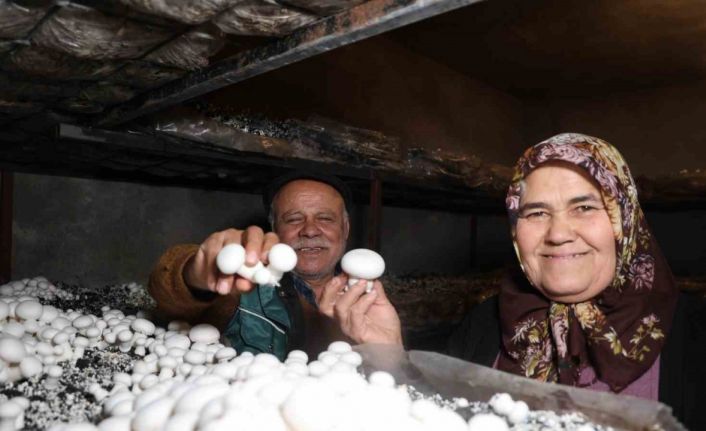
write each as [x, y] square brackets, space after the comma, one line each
[535, 215]
[293, 220]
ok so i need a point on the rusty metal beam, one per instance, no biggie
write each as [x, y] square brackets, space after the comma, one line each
[6, 190]
[375, 214]
[366, 20]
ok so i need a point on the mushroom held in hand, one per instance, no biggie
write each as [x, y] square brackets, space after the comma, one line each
[231, 260]
[362, 264]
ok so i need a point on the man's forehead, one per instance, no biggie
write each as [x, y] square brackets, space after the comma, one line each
[305, 190]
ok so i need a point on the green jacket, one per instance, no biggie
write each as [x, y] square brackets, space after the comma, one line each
[268, 320]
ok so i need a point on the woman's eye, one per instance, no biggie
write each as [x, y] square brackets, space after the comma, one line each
[585, 208]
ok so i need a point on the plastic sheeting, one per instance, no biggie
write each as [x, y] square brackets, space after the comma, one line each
[190, 51]
[187, 11]
[324, 7]
[14, 89]
[6, 45]
[86, 33]
[350, 144]
[262, 18]
[16, 21]
[107, 93]
[440, 162]
[80, 106]
[54, 65]
[17, 108]
[144, 75]
[434, 373]
[199, 128]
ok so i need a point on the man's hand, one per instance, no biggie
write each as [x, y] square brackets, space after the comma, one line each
[201, 272]
[364, 317]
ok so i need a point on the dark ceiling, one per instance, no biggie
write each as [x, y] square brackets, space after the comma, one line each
[568, 47]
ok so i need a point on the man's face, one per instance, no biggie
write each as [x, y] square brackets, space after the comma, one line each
[310, 217]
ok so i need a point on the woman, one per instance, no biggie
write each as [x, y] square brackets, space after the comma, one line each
[595, 304]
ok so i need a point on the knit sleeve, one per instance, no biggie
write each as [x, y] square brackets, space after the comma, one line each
[175, 300]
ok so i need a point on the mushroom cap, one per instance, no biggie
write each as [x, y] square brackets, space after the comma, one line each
[10, 409]
[4, 310]
[230, 258]
[363, 263]
[143, 325]
[82, 322]
[204, 333]
[12, 349]
[28, 310]
[282, 257]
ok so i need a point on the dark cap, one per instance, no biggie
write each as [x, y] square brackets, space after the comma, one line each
[271, 190]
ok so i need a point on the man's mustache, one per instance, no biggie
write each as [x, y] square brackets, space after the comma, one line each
[318, 243]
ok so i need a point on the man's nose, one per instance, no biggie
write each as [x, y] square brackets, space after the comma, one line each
[560, 229]
[310, 229]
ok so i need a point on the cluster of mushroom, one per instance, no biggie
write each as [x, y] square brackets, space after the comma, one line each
[186, 379]
[282, 258]
[359, 264]
[257, 392]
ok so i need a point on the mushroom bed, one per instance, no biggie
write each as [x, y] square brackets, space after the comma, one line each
[77, 358]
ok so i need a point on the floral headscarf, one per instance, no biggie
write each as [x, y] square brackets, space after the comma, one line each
[621, 331]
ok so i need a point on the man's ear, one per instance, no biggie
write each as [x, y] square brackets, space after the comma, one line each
[346, 227]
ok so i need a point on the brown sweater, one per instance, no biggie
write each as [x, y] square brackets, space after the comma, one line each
[176, 301]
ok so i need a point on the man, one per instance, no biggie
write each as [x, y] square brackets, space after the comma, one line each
[310, 308]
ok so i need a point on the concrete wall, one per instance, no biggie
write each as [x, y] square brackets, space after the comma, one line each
[659, 131]
[101, 232]
[87, 231]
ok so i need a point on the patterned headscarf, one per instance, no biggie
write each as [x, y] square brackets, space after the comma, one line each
[621, 331]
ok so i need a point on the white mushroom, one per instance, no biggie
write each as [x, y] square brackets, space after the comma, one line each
[143, 326]
[12, 349]
[30, 366]
[10, 412]
[362, 264]
[487, 422]
[29, 310]
[282, 258]
[204, 333]
[54, 372]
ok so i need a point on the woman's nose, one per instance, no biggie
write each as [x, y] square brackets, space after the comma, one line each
[560, 230]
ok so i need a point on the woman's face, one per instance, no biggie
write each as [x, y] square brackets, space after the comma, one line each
[564, 236]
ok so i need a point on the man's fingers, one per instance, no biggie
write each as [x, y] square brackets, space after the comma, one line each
[243, 285]
[331, 292]
[346, 301]
[252, 240]
[270, 239]
[224, 284]
[357, 316]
